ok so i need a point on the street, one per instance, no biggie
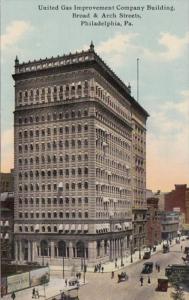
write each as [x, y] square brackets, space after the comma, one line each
[102, 287]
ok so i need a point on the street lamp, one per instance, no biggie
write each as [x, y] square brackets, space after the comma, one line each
[61, 252]
[122, 253]
[131, 247]
[139, 248]
[84, 267]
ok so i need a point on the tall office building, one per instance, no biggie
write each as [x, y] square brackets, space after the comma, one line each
[73, 125]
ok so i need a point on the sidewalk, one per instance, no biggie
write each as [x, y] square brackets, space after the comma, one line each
[110, 266]
[54, 287]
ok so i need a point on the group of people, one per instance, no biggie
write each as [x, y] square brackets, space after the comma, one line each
[98, 268]
[35, 293]
[142, 280]
[157, 266]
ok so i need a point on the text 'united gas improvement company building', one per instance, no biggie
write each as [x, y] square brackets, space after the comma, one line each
[80, 161]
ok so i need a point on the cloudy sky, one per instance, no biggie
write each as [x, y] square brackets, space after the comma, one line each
[160, 39]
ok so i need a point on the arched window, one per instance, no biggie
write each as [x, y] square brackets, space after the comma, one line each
[62, 248]
[44, 248]
[80, 249]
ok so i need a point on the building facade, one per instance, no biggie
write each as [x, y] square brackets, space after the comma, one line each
[153, 226]
[7, 227]
[178, 198]
[6, 182]
[73, 125]
[170, 222]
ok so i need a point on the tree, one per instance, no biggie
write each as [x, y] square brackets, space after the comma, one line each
[175, 281]
[178, 293]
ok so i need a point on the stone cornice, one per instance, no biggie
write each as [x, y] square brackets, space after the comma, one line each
[72, 62]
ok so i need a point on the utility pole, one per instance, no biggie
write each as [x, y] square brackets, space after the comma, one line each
[137, 79]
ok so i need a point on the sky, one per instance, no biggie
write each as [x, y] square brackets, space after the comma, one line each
[159, 38]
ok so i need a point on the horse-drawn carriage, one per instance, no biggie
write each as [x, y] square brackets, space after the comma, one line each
[122, 277]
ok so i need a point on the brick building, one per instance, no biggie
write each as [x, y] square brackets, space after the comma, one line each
[153, 225]
[178, 198]
[74, 125]
[7, 226]
[6, 182]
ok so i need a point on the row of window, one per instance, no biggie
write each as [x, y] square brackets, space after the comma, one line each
[54, 173]
[48, 131]
[53, 159]
[52, 145]
[50, 215]
[54, 201]
[53, 116]
[55, 187]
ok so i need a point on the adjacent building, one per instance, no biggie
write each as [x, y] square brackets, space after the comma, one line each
[178, 198]
[7, 226]
[153, 226]
[6, 182]
[80, 161]
[170, 224]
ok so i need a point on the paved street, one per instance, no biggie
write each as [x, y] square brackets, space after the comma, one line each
[102, 287]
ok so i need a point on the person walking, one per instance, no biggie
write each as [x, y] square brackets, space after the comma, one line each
[112, 274]
[37, 294]
[141, 281]
[149, 279]
[181, 248]
[33, 293]
[66, 281]
[158, 268]
[13, 296]
[102, 269]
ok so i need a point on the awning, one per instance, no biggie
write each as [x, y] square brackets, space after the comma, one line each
[67, 227]
[118, 226]
[79, 227]
[106, 199]
[6, 236]
[1, 223]
[85, 227]
[115, 200]
[37, 227]
[60, 228]
[109, 173]
[104, 144]
[100, 127]
[1, 235]
[73, 227]
[60, 185]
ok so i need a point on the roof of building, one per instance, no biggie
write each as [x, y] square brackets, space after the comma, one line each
[89, 58]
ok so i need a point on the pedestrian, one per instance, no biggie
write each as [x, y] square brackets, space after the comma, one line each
[37, 294]
[112, 274]
[149, 279]
[156, 265]
[66, 281]
[33, 293]
[99, 267]
[181, 248]
[141, 280]
[13, 296]
[158, 268]
[115, 264]
[79, 275]
[102, 269]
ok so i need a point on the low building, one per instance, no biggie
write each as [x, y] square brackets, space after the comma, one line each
[170, 221]
[7, 226]
[153, 225]
[178, 198]
[6, 182]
